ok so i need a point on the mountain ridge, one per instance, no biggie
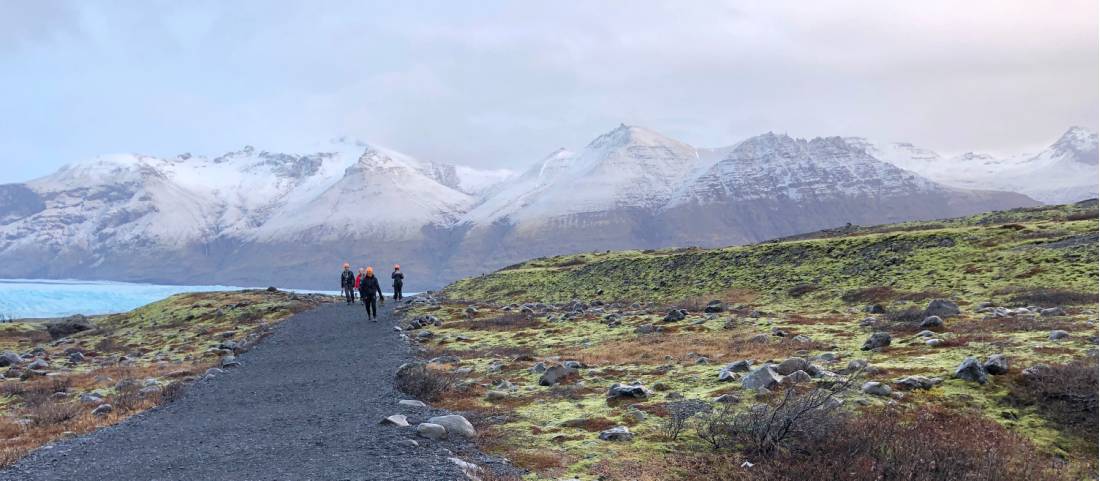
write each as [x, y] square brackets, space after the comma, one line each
[252, 216]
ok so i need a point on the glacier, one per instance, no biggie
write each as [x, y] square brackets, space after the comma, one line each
[38, 298]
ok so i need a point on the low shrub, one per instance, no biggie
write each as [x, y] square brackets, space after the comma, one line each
[1066, 394]
[800, 290]
[876, 294]
[924, 443]
[1047, 297]
[423, 382]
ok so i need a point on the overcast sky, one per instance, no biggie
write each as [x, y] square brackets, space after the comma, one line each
[504, 83]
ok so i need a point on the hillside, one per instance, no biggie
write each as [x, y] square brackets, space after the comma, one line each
[628, 365]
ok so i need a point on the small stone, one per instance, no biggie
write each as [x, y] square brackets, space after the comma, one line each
[396, 420]
[412, 403]
[877, 340]
[102, 410]
[619, 433]
[636, 391]
[931, 322]
[727, 399]
[431, 431]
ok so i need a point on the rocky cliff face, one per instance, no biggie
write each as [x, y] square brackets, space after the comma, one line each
[258, 218]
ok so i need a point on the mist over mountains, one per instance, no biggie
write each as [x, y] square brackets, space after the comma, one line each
[253, 217]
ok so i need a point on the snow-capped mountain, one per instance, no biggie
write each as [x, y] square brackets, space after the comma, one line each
[255, 218]
[1066, 171]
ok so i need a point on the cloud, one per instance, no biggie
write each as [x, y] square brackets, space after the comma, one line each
[503, 83]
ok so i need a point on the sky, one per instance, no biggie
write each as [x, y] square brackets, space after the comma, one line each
[502, 84]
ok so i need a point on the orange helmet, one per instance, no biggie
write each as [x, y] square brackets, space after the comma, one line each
[370, 271]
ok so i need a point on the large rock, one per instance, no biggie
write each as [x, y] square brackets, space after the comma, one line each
[763, 377]
[971, 370]
[68, 326]
[676, 315]
[791, 365]
[38, 364]
[1058, 335]
[9, 358]
[398, 420]
[456, 425]
[636, 391]
[942, 308]
[555, 374]
[996, 365]
[875, 388]
[1052, 312]
[877, 340]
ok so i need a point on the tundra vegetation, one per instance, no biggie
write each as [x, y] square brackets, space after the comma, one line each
[67, 377]
[956, 349]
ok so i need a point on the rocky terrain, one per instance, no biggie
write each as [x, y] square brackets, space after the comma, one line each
[252, 217]
[952, 349]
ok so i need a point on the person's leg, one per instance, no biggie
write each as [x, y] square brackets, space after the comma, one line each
[373, 309]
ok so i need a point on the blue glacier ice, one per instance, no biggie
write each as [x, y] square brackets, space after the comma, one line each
[34, 298]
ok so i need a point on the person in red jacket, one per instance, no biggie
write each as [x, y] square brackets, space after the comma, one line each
[358, 278]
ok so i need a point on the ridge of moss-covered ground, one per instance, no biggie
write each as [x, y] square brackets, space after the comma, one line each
[817, 286]
[131, 361]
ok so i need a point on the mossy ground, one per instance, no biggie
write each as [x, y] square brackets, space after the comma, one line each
[798, 285]
[169, 342]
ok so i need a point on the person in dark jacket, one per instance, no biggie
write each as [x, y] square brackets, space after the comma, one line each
[368, 287]
[347, 283]
[398, 281]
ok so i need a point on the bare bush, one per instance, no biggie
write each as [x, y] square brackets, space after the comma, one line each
[924, 443]
[1064, 393]
[424, 382]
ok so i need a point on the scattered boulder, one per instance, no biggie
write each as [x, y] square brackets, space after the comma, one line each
[90, 398]
[996, 365]
[931, 322]
[877, 340]
[727, 399]
[797, 377]
[971, 370]
[230, 361]
[925, 333]
[934, 342]
[455, 425]
[916, 382]
[875, 309]
[38, 364]
[555, 374]
[618, 433]
[412, 403]
[743, 365]
[9, 358]
[647, 329]
[431, 431]
[714, 307]
[791, 365]
[875, 388]
[636, 391]
[676, 315]
[942, 308]
[102, 410]
[1052, 312]
[69, 326]
[398, 420]
[1058, 335]
[763, 377]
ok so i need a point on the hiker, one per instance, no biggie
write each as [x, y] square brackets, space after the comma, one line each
[368, 287]
[358, 278]
[398, 281]
[347, 283]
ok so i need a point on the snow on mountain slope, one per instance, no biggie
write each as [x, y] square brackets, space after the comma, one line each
[1066, 171]
[381, 196]
[628, 167]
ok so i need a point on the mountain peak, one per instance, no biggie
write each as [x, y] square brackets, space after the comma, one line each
[630, 134]
[1079, 143]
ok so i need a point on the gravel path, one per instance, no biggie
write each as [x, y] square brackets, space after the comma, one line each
[305, 405]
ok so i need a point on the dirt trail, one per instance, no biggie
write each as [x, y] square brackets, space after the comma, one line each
[305, 405]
